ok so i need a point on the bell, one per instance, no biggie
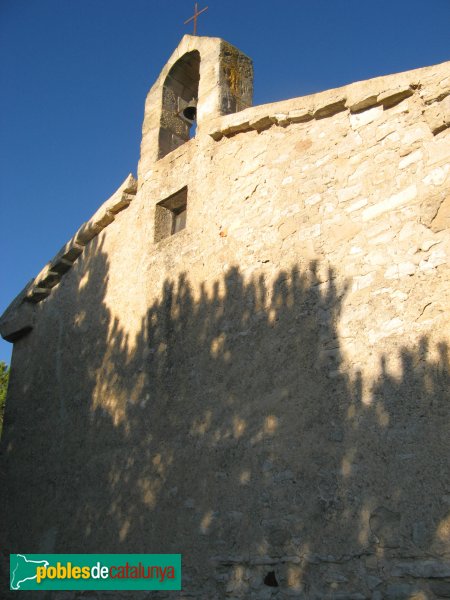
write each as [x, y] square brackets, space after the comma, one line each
[190, 111]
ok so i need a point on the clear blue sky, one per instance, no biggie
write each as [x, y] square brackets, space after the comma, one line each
[74, 75]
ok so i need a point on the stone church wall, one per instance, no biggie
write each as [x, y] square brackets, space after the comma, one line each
[267, 390]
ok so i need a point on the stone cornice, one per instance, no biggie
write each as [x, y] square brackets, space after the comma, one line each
[20, 315]
[356, 97]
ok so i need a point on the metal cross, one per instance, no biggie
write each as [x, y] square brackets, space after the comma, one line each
[194, 18]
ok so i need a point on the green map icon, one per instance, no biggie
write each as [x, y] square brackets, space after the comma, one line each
[23, 569]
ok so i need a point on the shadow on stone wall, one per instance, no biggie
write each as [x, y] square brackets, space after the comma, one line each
[230, 431]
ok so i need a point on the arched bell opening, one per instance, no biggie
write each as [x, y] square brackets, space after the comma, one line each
[179, 105]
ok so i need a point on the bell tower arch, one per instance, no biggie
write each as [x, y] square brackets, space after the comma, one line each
[203, 79]
[179, 103]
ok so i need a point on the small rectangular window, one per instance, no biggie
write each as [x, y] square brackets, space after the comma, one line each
[170, 216]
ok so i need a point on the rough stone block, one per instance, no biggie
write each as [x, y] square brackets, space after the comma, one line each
[216, 135]
[47, 278]
[69, 252]
[348, 193]
[301, 115]
[410, 159]
[363, 103]
[330, 108]
[357, 205]
[60, 265]
[438, 149]
[437, 115]
[119, 203]
[238, 128]
[18, 322]
[437, 176]
[260, 123]
[288, 228]
[314, 199]
[441, 219]
[129, 186]
[87, 232]
[36, 294]
[395, 96]
[282, 119]
[365, 117]
[235, 123]
[395, 201]
[434, 93]
[115, 203]
[103, 218]
[18, 318]
[406, 269]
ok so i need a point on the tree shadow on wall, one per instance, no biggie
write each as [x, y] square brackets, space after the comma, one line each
[229, 431]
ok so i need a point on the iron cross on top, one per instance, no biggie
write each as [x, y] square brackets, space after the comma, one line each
[194, 18]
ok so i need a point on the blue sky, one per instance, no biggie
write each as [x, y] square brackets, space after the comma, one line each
[74, 75]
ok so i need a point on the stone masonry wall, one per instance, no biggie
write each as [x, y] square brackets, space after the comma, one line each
[266, 391]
